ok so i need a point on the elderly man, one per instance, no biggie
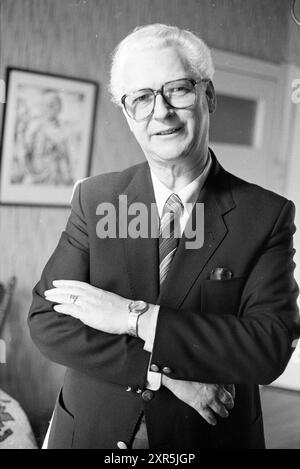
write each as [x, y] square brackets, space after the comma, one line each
[165, 342]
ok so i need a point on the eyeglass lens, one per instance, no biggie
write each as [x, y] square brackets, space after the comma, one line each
[179, 94]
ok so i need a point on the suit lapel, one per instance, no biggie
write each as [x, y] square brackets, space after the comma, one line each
[188, 264]
[142, 253]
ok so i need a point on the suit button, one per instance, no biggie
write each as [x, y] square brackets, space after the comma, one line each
[138, 391]
[129, 388]
[147, 395]
[166, 370]
[154, 367]
[121, 445]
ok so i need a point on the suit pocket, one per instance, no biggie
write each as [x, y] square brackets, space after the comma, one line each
[222, 296]
[62, 428]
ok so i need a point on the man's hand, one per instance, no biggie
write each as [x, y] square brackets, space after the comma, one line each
[96, 308]
[206, 399]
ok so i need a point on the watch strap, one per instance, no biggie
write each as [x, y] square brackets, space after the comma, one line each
[136, 309]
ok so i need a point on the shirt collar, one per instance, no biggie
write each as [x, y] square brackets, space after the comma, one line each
[188, 195]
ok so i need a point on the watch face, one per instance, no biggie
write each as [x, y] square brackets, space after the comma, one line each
[139, 306]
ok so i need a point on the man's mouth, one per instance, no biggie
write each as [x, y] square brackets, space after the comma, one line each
[169, 131]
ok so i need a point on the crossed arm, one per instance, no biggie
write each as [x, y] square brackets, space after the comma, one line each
[91, 334]
[107, 312]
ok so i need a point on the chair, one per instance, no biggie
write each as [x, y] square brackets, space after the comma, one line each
[15, 429]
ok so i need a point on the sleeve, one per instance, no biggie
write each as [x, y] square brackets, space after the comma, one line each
[148, 346]
[251, 348]
[119, 359]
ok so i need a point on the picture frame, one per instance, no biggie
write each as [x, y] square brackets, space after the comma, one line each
[47, 137]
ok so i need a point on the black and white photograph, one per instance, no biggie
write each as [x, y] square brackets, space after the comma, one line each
[150, 227]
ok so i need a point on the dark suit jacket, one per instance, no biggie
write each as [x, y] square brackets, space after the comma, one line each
[232, 331]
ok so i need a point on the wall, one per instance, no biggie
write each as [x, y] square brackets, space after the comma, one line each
[76, 37]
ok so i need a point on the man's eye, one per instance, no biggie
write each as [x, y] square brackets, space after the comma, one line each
[179, 90]
[143, 98]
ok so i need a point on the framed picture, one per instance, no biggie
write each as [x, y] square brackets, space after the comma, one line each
[46, 138]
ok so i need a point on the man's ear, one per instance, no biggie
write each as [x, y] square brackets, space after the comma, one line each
[211, 97]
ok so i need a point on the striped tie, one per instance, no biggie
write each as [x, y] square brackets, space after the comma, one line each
[169, 234]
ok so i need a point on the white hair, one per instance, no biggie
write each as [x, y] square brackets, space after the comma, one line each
[157, 36]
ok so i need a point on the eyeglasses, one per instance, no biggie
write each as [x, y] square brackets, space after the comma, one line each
[178, 94]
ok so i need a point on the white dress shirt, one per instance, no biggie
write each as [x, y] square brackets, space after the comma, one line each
[188, 196]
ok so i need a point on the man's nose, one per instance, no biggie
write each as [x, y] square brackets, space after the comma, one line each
[161, 108]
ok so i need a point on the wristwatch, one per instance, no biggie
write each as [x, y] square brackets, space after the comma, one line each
[136, 309]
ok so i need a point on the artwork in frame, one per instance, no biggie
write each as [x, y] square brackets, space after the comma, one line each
[46, 138]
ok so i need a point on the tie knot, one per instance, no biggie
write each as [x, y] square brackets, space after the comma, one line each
[173, 204]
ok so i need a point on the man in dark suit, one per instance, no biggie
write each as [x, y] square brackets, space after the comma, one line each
[167, 332]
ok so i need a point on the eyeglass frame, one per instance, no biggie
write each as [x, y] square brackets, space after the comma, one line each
[160, 91]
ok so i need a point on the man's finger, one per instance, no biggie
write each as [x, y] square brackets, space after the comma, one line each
[73, 284]
[230, 388]
[69, 310]
[219, 409]
[66, 290]
[226, 399]
[207, 414]
[64, 298]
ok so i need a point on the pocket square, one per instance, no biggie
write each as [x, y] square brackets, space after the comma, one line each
[220, 273]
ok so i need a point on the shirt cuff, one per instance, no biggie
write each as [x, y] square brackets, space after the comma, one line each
[149, 342]
[153, 381]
